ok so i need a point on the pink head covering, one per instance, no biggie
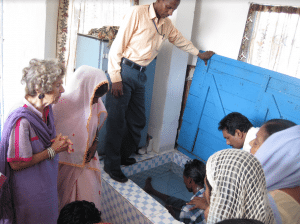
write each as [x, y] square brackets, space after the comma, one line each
[76, 116]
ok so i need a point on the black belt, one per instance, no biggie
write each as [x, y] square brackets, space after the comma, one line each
[133, 65]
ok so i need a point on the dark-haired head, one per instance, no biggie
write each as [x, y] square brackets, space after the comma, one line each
[79, 212]
[233, 121]
[234, 127]
[196, 171]
[276, 125]
[269, 128]
[100, 92]
[165, 8]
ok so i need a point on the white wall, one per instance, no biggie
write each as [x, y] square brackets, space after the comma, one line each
[169, 79]
[51, 28]
[219, 24]
[176, 78]
[29, 31]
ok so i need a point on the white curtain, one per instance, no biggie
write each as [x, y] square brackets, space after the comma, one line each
[276, 43]
[80, 16]
[273, 39]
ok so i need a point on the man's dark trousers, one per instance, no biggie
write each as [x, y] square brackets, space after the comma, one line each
[126, 118]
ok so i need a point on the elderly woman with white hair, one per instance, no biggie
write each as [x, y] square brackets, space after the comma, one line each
[29, 148]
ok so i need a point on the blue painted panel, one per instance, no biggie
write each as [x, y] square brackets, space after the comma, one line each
[242, 87]
[286, 88]
[231, 103]
[232, 70]
[225, 86]
[191, 120]
[193, 113]
[190, 155]
[103, 60]
[207, 144]
[210, 125]
[187, 135]
[87, 52]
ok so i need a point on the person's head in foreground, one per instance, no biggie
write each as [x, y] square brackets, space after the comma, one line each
[277, 147]
[236, 188]
[193, 175]
[234, 127]
[43, 80]
[268, 129]
[79, 212]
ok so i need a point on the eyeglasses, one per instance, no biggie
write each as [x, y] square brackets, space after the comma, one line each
[163, 35]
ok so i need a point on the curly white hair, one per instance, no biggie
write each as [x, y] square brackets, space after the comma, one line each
[41, 74]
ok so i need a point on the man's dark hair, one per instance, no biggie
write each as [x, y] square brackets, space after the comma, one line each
[233, 121]
[275, 125]
[196, 170]
[79, 212]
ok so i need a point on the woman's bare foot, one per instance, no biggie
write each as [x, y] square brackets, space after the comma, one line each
[148, 186]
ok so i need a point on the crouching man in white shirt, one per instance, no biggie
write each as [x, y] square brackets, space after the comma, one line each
[238, 131]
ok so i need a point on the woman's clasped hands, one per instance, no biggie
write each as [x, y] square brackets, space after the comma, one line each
[61, 144]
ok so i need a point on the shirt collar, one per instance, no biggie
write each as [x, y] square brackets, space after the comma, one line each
[152, 15]
[200, 192]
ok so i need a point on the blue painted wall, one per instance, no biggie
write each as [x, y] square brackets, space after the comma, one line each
[225, 86]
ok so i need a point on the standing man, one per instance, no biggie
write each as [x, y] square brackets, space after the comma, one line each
[139, 40]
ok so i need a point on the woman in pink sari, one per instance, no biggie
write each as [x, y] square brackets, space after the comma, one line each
[82, 114]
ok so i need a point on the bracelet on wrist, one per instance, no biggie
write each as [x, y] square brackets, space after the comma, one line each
[51, 153]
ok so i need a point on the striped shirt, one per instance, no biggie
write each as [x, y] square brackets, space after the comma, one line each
[195, 216]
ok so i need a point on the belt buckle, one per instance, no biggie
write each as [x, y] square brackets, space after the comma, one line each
[141, 69]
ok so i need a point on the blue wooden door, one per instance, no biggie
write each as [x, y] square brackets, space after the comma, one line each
[225, 86]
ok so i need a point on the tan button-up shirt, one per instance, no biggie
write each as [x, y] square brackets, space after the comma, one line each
[139, 41]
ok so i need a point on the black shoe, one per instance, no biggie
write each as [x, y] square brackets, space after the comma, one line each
[128, 161]
[117, 175]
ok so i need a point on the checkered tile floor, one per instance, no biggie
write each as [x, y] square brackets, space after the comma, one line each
[129, 203]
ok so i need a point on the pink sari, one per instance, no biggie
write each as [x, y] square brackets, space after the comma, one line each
[77, 117]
